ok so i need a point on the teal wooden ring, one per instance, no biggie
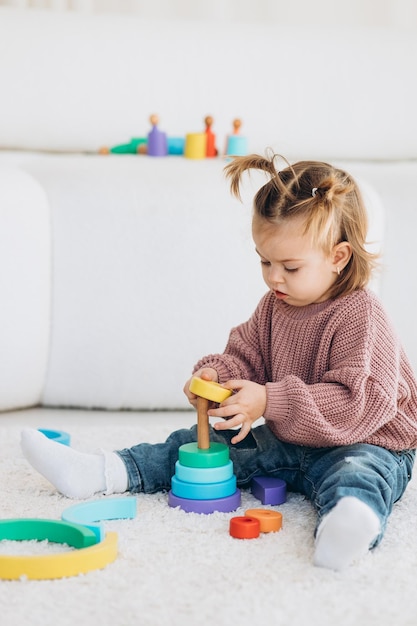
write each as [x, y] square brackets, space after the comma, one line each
[89, 513]
[60, 436]
[204, 474]
[56, 531]
[200, 491]
[191, 455]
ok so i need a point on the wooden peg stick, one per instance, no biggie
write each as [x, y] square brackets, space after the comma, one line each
[203, 436]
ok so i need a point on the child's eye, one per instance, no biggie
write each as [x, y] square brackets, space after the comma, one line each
[265, 262]
[291, 269]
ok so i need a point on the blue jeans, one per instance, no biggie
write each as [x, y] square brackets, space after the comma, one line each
[375, 475]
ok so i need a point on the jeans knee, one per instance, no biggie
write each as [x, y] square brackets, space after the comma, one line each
[374, 475]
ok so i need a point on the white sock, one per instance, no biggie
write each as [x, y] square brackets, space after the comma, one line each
[75, 474]
[345, 534]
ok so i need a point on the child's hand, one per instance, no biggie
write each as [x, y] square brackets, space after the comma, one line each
[242, 408]
[206, 373]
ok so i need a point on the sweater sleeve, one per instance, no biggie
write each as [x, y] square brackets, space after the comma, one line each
[244, 356]
[359, 392]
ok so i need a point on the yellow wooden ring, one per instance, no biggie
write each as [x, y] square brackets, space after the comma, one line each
[209, 389]
[63, 565]
[270, 521]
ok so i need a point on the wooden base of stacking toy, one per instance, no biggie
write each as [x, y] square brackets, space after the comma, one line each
[220, 505]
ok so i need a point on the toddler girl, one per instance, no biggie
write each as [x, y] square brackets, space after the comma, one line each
[318, 359]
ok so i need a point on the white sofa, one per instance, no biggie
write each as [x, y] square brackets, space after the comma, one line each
[119, 272]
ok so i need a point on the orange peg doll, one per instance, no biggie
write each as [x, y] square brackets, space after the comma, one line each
[211, 150]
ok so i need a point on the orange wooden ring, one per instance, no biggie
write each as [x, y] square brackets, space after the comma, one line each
[244, 527]
[270, 521]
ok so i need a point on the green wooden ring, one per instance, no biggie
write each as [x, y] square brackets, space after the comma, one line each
[191, 455]
[57, 531]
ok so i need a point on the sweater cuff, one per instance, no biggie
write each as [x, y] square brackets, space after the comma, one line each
[277, 406]
[223, 372]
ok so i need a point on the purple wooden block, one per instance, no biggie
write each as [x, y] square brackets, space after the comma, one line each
[269, 490]
[223, 505]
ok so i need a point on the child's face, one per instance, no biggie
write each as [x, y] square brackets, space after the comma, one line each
[293, 268]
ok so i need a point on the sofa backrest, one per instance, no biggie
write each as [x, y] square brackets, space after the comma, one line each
[78, 82]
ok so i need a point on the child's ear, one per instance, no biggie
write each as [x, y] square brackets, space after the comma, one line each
[341, 255]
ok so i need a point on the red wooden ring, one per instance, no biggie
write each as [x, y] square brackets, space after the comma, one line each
[244, 527]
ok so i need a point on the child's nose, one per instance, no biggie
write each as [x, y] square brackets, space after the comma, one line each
[276, 275]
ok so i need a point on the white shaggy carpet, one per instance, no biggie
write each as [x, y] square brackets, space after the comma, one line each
[176, 568]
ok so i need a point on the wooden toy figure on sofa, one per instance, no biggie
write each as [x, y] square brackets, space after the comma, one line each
[204, 481]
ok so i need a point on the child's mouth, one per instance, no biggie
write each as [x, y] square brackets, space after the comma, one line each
[280, 295]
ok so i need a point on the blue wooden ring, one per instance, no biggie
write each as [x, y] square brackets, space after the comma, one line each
[222, 505]
[200, 491]
[204, 474]
[87, 513]
[191, 455]
[60, 436]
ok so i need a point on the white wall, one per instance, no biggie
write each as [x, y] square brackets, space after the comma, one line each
[399, 13]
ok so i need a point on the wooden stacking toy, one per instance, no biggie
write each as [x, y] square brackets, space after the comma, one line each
[204, 481]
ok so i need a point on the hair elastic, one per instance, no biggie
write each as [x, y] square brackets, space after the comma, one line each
[314, 191]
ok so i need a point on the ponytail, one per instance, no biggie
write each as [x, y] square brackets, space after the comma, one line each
[327, 198]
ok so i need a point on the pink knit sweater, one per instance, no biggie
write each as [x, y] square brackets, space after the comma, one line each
[335, 372]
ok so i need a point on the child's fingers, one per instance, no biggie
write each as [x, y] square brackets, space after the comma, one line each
[244, 432]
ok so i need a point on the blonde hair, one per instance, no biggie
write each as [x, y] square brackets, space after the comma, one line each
[326, 197]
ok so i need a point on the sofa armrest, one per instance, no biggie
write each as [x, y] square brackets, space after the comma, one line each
[25, 279]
